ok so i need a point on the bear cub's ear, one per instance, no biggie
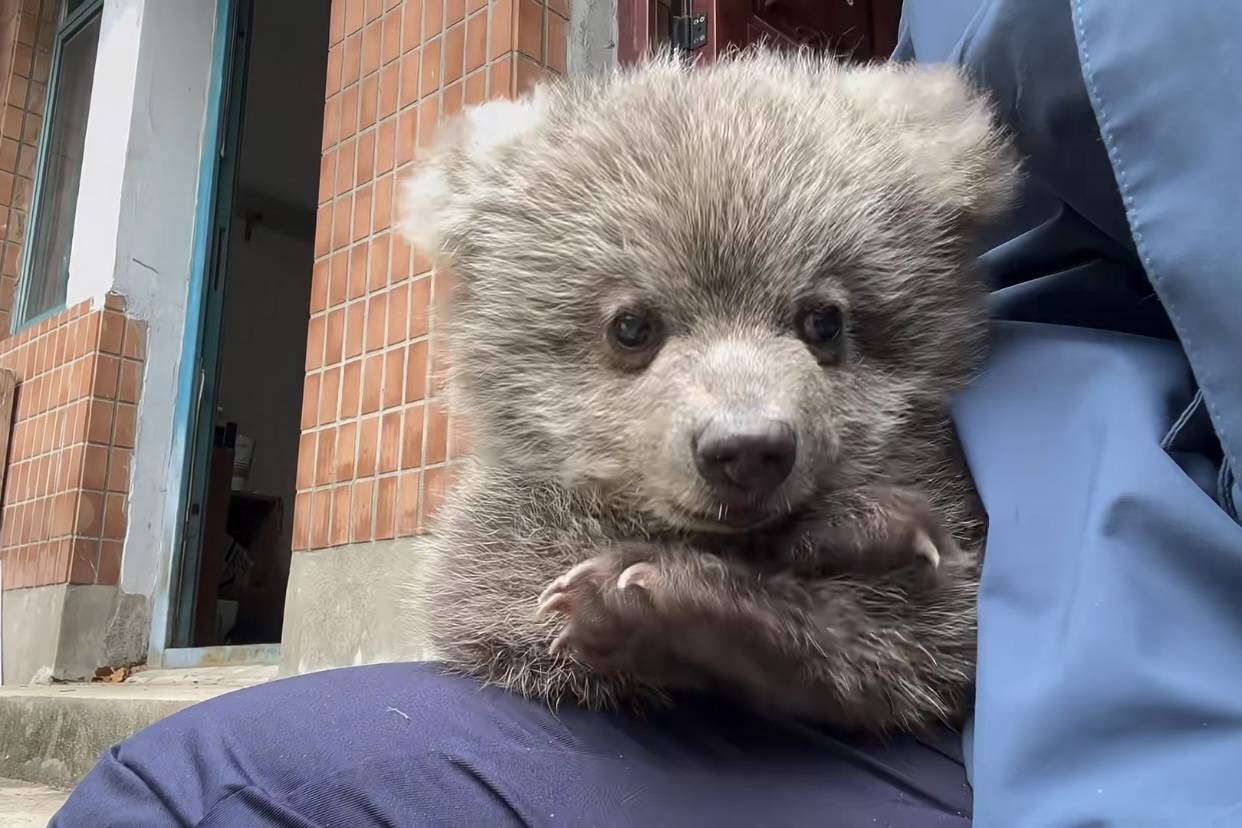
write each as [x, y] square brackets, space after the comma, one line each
[433, 204]
[949, 132]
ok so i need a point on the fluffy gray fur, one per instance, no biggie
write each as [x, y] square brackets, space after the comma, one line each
[581, 556]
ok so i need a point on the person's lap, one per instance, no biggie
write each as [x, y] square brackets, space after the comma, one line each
[405, 744]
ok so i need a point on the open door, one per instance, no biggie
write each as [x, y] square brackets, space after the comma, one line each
[187, 565]
[857, 30]
[231, 573]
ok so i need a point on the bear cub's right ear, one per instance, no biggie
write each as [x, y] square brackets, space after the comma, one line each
[432, 203]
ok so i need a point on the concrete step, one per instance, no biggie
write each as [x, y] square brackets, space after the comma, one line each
[52, 734]
[23, 805]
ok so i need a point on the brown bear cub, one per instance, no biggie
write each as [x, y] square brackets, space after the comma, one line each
[706, 328]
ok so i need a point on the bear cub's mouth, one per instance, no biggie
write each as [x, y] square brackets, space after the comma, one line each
[735, 518]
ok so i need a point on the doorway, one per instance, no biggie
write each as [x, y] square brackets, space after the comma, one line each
[233, 567]
[852, 30]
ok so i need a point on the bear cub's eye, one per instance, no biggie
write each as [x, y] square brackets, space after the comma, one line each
[632, 331]
[821, 327]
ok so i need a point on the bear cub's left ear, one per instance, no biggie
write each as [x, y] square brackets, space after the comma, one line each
[949, 132]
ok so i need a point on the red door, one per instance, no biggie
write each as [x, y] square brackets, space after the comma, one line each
[852, 29]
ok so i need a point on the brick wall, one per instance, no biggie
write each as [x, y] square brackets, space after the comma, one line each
[27, 31]
[74, 422]
[63, 509]
[376, 441]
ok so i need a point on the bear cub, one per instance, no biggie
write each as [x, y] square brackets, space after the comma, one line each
[705, 330]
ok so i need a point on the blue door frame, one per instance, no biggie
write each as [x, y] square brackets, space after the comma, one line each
[172, 614]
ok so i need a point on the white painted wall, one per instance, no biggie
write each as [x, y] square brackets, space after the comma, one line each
[93, 257]
[592, 35]
[134, 228]
[154, 250]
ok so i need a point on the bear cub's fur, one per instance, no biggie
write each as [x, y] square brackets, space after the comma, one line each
[705, 331]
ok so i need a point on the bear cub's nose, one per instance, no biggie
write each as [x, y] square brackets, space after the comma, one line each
[754, 455]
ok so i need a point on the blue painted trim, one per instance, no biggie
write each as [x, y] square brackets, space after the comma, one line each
[180, 462]
[79, 18]
[189, 658]
[202, 419]
[67, 29]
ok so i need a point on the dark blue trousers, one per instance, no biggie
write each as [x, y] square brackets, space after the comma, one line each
[404, 744]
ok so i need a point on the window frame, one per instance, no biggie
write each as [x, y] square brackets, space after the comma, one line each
[70, 25]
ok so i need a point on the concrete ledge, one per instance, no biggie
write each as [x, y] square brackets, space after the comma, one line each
[65, 631]
[52, 735]
[345, 606]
